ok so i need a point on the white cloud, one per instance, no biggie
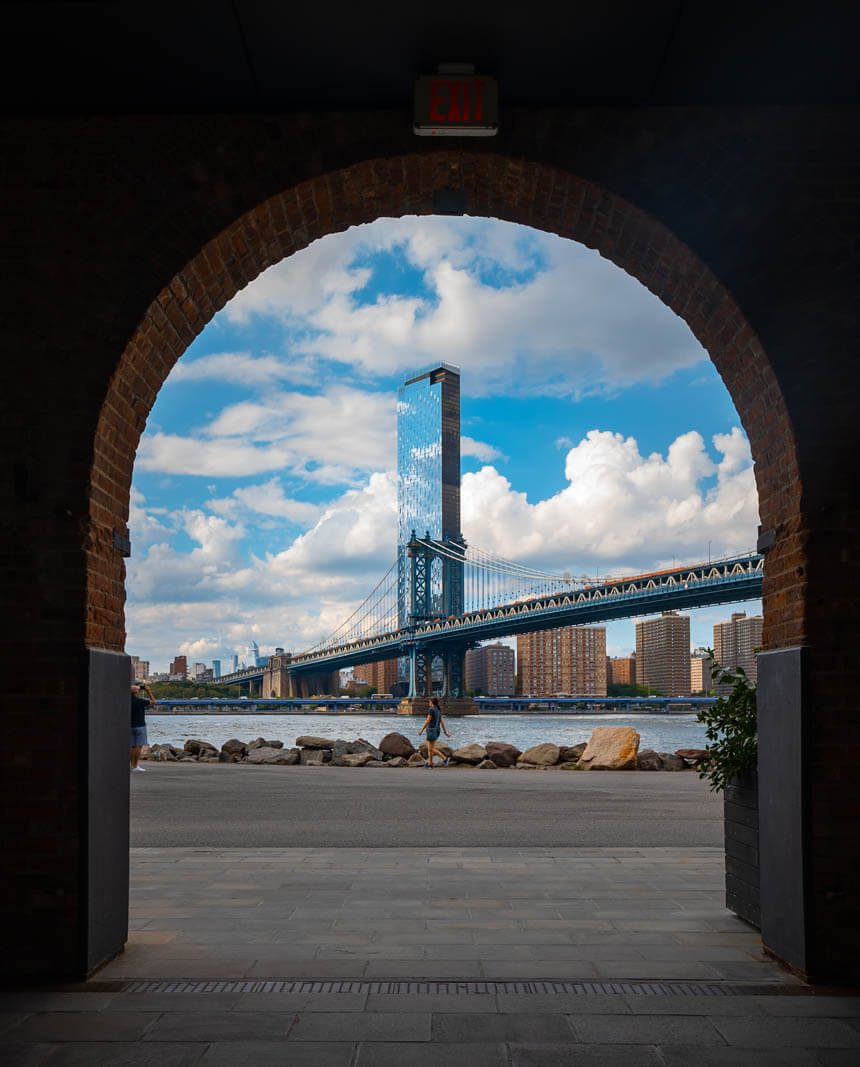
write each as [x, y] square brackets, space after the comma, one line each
[265, 499]
[329, 437]
[245, 369]
[479, 449]
[620, 510]
[506, 303]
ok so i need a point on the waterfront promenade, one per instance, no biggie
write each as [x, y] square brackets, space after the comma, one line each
[477, 952]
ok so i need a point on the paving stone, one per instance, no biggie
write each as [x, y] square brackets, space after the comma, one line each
[26, 1055]
[362, 1026]
[723, 1056]
[802, 1007]
[219, 1026]
[81, 1026]
[125, 1054]
[432, 1002]
[171, 1002]
[748, 1006]
[523, 1027]
[645, 1030]
[271, 1053]
[564, 1003]
[401, 1054]
[653, 970]
[789, 1033]
[584, 1056]
[42, 1000]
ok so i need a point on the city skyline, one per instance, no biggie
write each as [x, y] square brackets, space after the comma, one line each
[597, 436]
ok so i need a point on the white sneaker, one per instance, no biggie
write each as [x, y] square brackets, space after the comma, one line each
[138, 769]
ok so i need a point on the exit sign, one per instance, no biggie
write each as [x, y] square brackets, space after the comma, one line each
[456, 105]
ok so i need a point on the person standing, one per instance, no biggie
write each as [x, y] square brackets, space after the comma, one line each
[433, 724]
[139, 704]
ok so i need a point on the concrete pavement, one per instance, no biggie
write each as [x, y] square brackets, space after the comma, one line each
[518, 956]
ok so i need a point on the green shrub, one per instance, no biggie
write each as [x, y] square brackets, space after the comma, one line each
[731, 729]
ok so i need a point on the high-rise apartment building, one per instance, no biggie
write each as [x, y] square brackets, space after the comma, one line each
[621, 670]
[568, 659]
[179, 668]
[382, 674]
[489, 670]
[663, 653]
[700, 671]
[735, 643]
[428, 481]
[139, 669]
[197, 671]
[252, 655]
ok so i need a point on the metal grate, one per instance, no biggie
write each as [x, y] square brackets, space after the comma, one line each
[651, 989]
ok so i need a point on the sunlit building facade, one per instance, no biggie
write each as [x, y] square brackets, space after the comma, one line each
[490, 671]
[567, 660]
[735, 642]
[663, 654]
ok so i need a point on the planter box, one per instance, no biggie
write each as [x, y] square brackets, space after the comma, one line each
[740, 819]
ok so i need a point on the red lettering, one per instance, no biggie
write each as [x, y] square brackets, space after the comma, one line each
[435, 114]
[467, 88]
[454, 101]
[479, 88]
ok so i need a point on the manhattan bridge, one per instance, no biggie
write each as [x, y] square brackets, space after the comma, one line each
[441, 597]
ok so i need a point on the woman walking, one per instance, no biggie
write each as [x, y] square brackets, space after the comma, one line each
[432, 724]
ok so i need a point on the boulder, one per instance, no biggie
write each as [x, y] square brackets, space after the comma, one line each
[568, 766]
[309, 741]
[649, 760]
[163, 752]
[377, 763]
[545, 755]
[196, 748]
[365, 746]
[395, 744]
[229, 757]
[355, 759]
[672, 762]
[487, 765]
[502, 754]
[265, 755]
[440, 748]
[234, 747]
[693, 756]
[144, 752]
[611, 748]
[312, 757]
[469, 754]
[397, 761]
[261, 742]
[571, 753]
[416, 761]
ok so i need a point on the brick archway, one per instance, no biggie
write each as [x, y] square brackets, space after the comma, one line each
[537, 195]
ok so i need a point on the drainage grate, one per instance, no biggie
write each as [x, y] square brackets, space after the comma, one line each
[649, 989]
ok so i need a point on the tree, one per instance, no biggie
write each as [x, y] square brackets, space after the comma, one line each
[731, 729]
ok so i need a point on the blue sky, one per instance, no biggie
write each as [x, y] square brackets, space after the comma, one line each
[597, 435]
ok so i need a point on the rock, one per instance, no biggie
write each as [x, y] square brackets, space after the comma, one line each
[365, 746]
[469, 754]
[199, 748]
[229, 757]
[163, 752]
[692, 756]
[415, 761]
[611, 748]
[487, 765]
[440, 748]
[312, 757]
[355, 759]
[377, 763]
[397, 761]
[545, 755]
[144, 752]
[264, 755]
[568, 767]
[502, 754]
[395, 744]
[528, 766]
[234, 747]
[314, 742]
[571, 753]
[261, 742]
[649, 760]
[672, 762]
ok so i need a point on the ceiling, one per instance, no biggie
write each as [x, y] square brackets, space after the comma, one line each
[159, 56]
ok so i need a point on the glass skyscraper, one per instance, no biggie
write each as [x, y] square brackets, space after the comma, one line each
[428, 470]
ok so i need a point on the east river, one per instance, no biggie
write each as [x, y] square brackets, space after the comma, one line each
[663, 733]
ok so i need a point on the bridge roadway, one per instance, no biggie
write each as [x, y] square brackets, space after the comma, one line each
[699, 585]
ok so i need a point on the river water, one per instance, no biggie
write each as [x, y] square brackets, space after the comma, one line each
[664, 733]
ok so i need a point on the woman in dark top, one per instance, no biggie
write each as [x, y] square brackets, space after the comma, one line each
[139, 704]
[433, 724]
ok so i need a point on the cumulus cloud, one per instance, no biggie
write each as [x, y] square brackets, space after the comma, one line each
[620, 509]
[479, 449]
[245, 369]
[265, 499]
[505, 303]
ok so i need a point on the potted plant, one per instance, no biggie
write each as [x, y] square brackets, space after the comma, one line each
[731, 768]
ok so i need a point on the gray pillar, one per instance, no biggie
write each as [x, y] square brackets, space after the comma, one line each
[783, 803]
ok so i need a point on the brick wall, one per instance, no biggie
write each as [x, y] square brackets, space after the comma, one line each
[120, 238]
